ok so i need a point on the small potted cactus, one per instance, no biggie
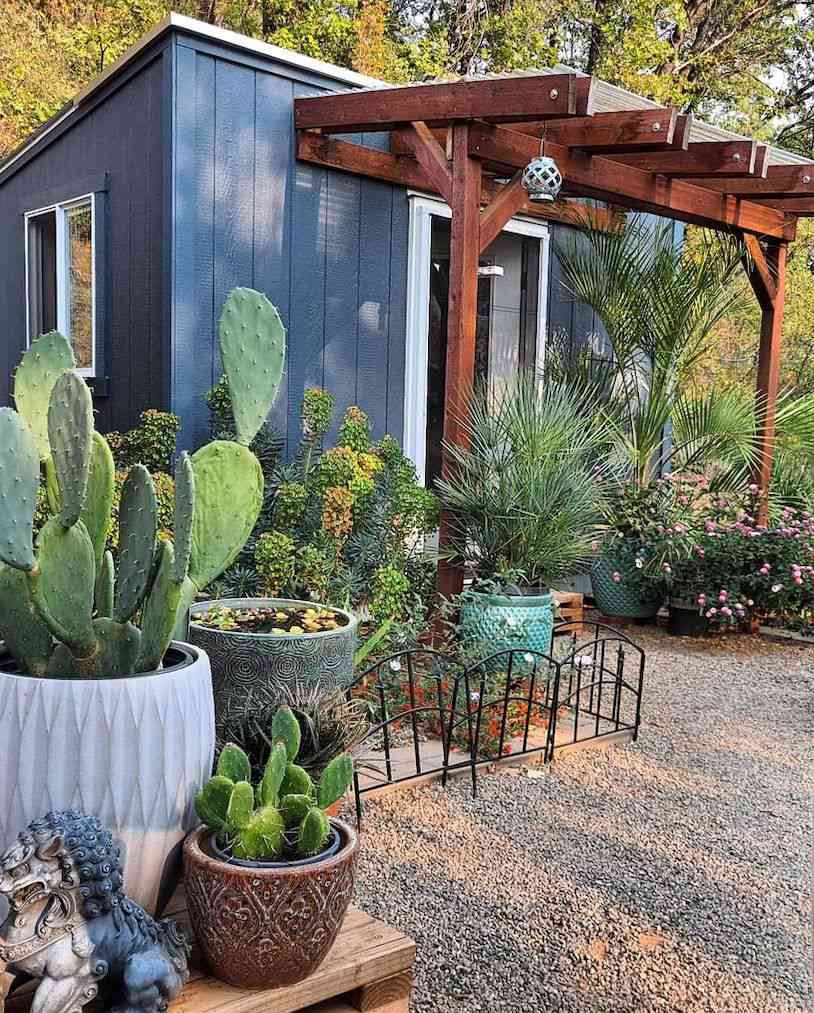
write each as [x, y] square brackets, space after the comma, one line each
[96, 705]
[268, 876]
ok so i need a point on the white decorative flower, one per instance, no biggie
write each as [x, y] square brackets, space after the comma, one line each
[639, 562]
[395, 665]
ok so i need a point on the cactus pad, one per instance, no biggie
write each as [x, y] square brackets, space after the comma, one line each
[241, 806]
[295, 808]
[184, 512]
[233, 763]
[263, 838]
[286, 728]
[212, 801]
[96, 511]
[70, 433]
[19, 481]
[313, 833]
[63, 589]
[105, 586]
[40, 367]
[252, 349]
[228, 498]
[137, 528]
[159, 612]
[273, 775]
[22, 629]
[297, 781]
[335, 780]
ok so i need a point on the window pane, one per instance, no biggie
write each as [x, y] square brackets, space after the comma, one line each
[42, 274]
[79, 282]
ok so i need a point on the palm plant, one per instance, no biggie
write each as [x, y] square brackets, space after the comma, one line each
[522, 494]
[658, 305]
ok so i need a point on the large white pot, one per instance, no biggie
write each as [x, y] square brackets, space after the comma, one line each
[132, 751]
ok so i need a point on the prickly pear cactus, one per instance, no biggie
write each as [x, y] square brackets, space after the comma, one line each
[284, 816]
[67, 609]
[252, 349]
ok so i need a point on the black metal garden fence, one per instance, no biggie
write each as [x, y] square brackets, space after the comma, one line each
[433, 714]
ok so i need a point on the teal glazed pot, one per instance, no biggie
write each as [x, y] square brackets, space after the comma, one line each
[503, 622]
[266, 665]
[625, 599]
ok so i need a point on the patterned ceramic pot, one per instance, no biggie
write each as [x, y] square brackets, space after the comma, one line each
[506, 622]
[267, 926]
[132, 751]
[625, 599]
[265, 663]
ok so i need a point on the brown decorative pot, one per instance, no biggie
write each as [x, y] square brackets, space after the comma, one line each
[267, 925]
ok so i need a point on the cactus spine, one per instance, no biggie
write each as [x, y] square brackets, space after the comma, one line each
[63, 609]
[284, 816]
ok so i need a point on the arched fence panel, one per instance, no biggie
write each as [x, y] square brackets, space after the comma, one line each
[433, 715]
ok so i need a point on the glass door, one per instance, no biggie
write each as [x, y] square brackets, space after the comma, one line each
[506, 335]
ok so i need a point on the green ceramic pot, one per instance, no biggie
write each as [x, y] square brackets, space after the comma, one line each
[625, 599]
[505, 622]
[267, 664]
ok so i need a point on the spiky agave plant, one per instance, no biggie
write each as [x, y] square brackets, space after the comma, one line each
[521, 494]
[66, 608]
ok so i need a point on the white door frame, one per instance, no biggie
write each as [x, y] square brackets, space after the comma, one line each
[422, 210]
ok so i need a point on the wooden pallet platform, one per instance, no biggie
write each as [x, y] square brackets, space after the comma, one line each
[368, 969]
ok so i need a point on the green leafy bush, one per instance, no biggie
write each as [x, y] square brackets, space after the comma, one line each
[151, 443]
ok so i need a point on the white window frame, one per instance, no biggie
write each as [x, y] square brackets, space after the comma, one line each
[63, 309]
[422, 211]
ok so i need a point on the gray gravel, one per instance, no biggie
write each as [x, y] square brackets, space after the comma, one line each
[669, 875]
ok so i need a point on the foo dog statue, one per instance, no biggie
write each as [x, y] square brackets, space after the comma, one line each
[71, 926]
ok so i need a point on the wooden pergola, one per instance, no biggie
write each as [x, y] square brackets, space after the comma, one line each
[462, 138]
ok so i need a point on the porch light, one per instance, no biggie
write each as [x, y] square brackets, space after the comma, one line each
[542, 179]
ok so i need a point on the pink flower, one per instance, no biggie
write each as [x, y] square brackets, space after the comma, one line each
[699, 551]
[666, 567]
[726, 611]
[765, 569]
[679, 528]
[616, 577]
[710, 613]
[753, 488]
[702, 599]
[798, 580]
[723, 596]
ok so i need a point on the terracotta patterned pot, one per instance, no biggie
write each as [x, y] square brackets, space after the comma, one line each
[267, 926]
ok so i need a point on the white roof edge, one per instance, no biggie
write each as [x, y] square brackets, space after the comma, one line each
[203, 30]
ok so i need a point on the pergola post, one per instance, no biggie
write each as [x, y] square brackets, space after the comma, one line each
[768, 277]
[462, 315]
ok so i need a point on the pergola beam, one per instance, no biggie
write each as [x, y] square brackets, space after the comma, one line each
[344, 156]
[700, 160]
[780, 181]
[513, 99]
[802, 206]
[610, 132]
[608, 180]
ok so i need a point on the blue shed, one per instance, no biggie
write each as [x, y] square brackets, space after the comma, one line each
[172, 178]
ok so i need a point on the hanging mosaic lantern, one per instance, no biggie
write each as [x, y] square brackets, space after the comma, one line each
[542, 179]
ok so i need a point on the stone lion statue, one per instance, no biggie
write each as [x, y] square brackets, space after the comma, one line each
[71, 926]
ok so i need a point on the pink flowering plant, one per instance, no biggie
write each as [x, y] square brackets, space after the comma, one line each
[737, 569]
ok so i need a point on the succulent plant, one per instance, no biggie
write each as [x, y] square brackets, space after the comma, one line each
[65, 609]
[283, 815]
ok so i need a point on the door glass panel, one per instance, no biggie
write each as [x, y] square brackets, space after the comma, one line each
[506, 332]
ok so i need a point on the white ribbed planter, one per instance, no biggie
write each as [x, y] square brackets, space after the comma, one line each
[132, 751]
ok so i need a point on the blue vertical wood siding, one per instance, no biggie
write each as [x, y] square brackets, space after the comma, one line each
[117, 135]
[328, 248]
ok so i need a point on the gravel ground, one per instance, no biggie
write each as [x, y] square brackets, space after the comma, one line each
[669, 875]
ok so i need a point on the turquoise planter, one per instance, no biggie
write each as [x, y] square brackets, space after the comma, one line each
[508, 622]
[625, 599]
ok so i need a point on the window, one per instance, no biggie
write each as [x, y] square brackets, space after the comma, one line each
[61, 276]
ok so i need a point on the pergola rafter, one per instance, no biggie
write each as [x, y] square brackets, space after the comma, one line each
[469, 141]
